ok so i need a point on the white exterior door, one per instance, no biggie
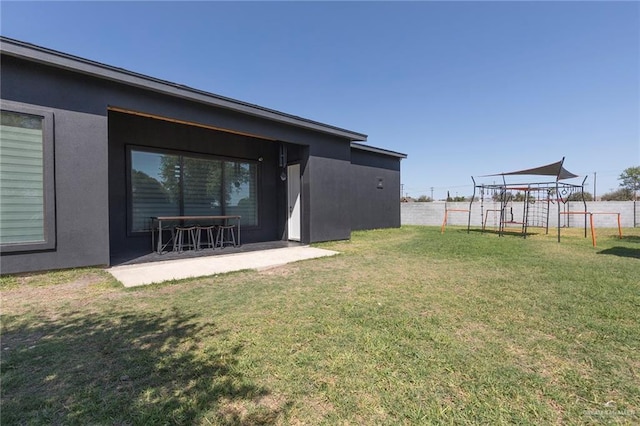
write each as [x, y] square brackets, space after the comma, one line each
[293, 195]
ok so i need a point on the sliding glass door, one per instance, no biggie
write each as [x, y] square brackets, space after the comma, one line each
[179, 184]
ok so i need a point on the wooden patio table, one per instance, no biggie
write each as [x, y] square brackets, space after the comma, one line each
[159, 219]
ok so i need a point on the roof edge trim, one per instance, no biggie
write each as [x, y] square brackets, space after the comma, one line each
[32, 52]
[377, 150]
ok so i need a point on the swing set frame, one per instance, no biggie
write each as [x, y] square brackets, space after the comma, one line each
[538, 200]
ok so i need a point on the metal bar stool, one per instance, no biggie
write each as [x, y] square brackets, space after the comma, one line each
[161, 244]
[210, 237]
[226, 235]
[191, 238]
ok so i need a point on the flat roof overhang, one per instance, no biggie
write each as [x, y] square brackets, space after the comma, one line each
[65, 61]
[373, 149]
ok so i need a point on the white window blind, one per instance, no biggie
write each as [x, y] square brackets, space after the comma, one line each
[21, 178]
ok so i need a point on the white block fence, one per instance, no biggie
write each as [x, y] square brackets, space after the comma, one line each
[432, 213]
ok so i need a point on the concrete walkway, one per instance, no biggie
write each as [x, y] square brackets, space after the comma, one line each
[156, 272]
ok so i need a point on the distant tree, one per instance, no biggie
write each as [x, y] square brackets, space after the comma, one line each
[424, 199]
[509, 196]
[630, 178]
[520, 196]
[577, 197]
[622, 194]
[455, 199]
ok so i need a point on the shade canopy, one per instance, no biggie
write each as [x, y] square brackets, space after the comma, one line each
[553, 169]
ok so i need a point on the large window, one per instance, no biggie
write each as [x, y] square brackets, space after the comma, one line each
[176, 184]
[26, 179]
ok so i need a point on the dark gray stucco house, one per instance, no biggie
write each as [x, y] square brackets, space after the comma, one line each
[88, 152]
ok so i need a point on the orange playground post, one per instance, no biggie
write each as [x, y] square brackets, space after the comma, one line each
[593, 232]
[446, 213]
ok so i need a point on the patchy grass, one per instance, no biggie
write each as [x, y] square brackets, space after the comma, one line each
[406, 326]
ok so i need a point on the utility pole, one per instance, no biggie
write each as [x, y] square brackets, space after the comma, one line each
[432, 193]
[594, 187]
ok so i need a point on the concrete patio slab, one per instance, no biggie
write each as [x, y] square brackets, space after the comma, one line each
[156, 272]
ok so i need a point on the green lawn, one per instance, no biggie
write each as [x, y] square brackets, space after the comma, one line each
[405, 326]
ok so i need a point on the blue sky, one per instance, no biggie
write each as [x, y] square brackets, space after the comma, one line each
[463, 88]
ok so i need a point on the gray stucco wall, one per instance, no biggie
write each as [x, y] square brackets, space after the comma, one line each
[328, 199]
[82, 210]
[375, 191]
[433, 213]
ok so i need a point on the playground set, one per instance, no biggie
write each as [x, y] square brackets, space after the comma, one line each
[540, 200]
